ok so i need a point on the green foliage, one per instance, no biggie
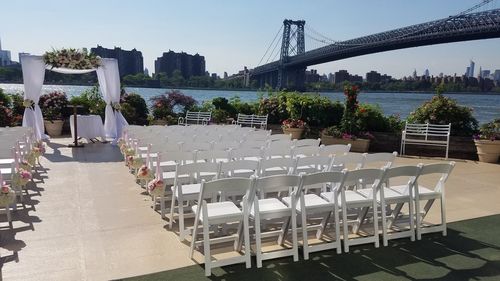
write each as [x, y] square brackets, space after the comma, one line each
[134, 109]
[219, 116]
[54, 106]
[370, 118]
[243, 107]
[314, 109]
[444, 110]
[5, 100]
[349, 123]
[5, 116]
[91, 100]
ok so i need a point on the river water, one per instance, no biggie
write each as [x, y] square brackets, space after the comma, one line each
[486, 106]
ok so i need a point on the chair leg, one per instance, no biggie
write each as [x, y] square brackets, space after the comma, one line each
[258, 246]
[182, 232]
[418, 220]
[384, 225]
[305, 242]
[411, 210]
[206, 249]
[284, 231]
[294, 238]
[337, 229]
[345, 229]
[246, 234]
[172, 207]
[193, 240]
[324, 224]
[443, 216]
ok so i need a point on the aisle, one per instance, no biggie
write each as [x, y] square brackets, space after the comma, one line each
[89, 222]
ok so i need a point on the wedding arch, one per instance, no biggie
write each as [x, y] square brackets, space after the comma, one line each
[33, 68]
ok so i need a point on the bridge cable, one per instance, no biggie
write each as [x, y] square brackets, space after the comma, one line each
[276, 36]
[278, 42]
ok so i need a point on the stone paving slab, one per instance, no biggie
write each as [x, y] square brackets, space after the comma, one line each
[86, 219]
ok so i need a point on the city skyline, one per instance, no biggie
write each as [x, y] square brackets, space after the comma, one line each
[233, 35]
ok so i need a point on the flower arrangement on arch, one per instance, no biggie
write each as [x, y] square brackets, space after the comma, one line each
[28, 103]
[53, 105]
[116, 106]
[292, 123]
[72, 59]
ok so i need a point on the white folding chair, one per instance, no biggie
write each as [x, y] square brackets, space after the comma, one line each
[222, 211]
[280, 137]
[187, 187]
[312, 205]
[254, 154]
[393, 226]
[270, 208]
[278, 152]
[304, 151]
[352, 199]
[422, 193]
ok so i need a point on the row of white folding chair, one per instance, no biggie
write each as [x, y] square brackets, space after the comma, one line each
[223, 210]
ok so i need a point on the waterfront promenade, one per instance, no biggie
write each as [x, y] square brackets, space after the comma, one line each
[88, 220]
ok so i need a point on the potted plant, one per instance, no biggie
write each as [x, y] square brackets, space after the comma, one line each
[348, 131]
[488, 142]
[53, 105]
[294, 127]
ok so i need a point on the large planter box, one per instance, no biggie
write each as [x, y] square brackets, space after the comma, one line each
[358, 145]
[488, 151]
[53, 128]
[295, 132]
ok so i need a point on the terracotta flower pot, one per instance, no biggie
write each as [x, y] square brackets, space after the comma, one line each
[358, 145]
[295, 132]
[53, 128]
[488, 151]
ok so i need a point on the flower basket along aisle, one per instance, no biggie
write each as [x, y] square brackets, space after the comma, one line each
[348, 131]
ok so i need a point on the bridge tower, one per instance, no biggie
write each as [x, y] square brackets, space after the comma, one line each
[292, 44]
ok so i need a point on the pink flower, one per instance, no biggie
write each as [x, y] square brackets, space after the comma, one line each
[25, 174]
[5, 189]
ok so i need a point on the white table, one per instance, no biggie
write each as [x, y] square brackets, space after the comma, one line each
[89, 127]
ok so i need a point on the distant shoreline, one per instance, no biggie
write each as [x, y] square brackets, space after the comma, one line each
[257, 90]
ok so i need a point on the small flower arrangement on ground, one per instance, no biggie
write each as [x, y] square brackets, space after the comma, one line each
[7, 195]
[134, 162]
[144, 173]
[53, 105]
[291, 123]
[489, 131]
[71, 58]
[156, 187]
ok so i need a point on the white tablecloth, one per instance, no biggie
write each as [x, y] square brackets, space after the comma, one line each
[89, 127]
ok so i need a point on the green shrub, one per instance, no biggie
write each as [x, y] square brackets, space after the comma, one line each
[5, 116]
[313, 109]
[5, 100]
[243, 107]
[91, 100]
[219, 116]
[275, 106]
[372, 119]
[134, 109]
[443, 110]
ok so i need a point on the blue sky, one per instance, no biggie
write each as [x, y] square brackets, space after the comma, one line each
[233, 34]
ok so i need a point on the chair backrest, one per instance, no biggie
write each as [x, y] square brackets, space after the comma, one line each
[410, 173]
[234, 186]
[334, 149]
[352, 160]
[307, 142]
[425, 130]
[192, 146]
[253, 144]
[276, 183]
[227, 169]
[276, 166]
[304, 151]
[319, 180]
[278, 152]
[363, 177]
[444, 169]
[280, 137]
[226, 144]
[385, 159]
[242, 153]
[180, 157]
[313, 164]
[193, 171]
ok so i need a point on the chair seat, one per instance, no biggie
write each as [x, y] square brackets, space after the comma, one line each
[351, 197]
[424, 192]
[221, 211]
[6, 161]
[311, 201]
[270, 206]
[389, 194]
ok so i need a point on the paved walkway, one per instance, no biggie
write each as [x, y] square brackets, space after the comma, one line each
[86, 219]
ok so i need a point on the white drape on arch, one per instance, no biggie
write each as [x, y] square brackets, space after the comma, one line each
[109, 83]
[33, 68]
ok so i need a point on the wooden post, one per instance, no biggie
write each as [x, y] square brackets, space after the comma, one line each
[75, 127]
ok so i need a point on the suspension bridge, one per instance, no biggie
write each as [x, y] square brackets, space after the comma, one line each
[288, 71]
